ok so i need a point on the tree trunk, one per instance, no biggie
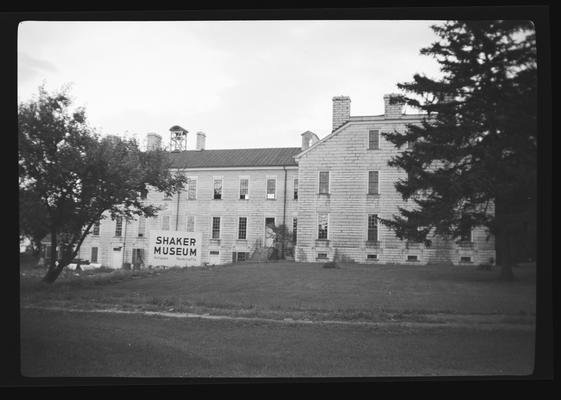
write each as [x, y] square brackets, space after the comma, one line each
[504, 254]
[52, 274]
[54, 271]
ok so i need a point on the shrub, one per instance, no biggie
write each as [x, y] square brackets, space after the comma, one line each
[331, 264]
[484, 267]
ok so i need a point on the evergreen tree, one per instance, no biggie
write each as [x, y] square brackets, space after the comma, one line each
[473, 160]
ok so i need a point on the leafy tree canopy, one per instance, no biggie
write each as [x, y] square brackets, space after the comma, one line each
[71, 177]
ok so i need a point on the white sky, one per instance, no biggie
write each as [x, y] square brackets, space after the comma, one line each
[244, 83]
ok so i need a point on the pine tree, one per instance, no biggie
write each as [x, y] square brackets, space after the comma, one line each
[473, 160]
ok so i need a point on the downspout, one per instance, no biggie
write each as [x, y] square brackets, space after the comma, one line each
[177, 207]
[177, 210]
[284, 214]
[124, 242]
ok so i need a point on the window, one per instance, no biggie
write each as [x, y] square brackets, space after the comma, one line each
[165, 223]
[93, 258]
[465, 259]
[372, 227]
[412, 258]
[294, 229]
[192, 188]
[244, 188]
[373, 182]
[322, 226]
[217, 188]
[242, 228]
[372, 256]
[190, 223]
[322, 255]
[374, 140]
[410, 145]
[242, 256]
[296, 189]
[324, 182]
[118, 226]
[96, 229]
[216, 227]
[271, 188]
[141, 226]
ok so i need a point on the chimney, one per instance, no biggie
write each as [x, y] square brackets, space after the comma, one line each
[341, 111]
[201, 138]
[308, 139]
[113, 138]
[153, 141]
[392, 111]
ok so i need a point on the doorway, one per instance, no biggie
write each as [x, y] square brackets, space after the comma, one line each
[117, 257]
[269, 232]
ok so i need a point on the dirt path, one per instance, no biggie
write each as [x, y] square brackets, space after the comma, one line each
[435, 320]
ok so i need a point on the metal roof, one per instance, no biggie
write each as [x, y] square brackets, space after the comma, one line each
[267, 157]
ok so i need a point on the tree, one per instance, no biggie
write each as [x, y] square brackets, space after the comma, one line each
[473, 160]
[283, 241]
[73, 178]
[32, 221]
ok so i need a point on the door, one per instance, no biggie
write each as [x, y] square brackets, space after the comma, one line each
[269, 232]
[117, 257]
[138, 258]
[214, 257]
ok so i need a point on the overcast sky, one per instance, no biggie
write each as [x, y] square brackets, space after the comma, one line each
[244, 83]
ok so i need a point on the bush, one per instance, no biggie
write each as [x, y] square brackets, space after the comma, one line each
[484, 267]
[331, 264]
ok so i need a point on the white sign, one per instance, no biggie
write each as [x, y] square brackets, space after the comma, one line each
[175, 248]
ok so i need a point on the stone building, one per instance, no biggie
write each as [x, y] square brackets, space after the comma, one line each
[328, 192]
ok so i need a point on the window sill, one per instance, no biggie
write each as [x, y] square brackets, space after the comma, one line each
[373, 194]
[324, 194]
[465, 244]
[372, 244]
[322, 243]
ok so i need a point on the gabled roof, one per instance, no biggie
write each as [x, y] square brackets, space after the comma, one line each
[267, 157]
[368, 118]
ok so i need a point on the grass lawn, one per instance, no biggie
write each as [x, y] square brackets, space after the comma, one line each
[299, 290]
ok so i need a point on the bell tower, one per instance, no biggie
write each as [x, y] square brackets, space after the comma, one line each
[177, 138]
